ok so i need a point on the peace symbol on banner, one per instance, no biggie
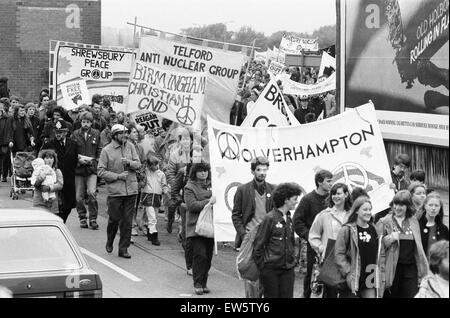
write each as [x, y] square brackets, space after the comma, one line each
[186, 115]
[228, 146]
[352, 174]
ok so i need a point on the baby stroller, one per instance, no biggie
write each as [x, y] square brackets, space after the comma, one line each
[21, 173]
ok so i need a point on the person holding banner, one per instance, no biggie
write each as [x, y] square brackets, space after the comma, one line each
[197, 194]
[325, 228]
[117, 165]
[274, 245]
[252, 201]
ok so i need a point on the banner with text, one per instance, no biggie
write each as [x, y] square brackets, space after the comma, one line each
[105, 70]
[149, 120]
[275, 68]
[75, 94]
[292, 44]
[294, 88]
[404, 46]
[221, 68]
[354, 153]
[177, 96]
[277, 55]
[270, 109]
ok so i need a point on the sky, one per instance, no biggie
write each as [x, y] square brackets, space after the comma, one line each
[267, 16]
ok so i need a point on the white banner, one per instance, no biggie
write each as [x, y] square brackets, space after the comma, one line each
[149, 120]
[75, 94]
[275, 68]
[177, 96]
[261, 56]
[354, 153]
[278, 56]
[222, 69]
[270, 109]
[327, 61]
[105, 70]
[295, 88]
[292, 44]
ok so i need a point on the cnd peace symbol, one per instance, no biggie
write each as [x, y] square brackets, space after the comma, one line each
[186, 115]
[228, 145]
[345, 167]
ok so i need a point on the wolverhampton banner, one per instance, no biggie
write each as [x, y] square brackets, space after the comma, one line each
[354, 153]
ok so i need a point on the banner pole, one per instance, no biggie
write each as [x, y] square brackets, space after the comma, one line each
[248, 63]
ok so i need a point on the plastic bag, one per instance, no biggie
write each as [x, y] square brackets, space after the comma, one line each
[245, 264]
[204, 226]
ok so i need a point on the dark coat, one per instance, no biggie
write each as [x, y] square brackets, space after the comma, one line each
[244, 207]
[49, 130]
[21, 132]
[67, 162]
[274, 244]
[441, 232]
[196, 196]
[87, 147]
[5, 130]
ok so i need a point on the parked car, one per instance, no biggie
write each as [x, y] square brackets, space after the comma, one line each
[40, 258]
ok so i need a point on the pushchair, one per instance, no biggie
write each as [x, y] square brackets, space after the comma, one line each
[21, 173]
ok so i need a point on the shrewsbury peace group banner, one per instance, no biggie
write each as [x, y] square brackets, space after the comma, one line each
[354, 153]
[295, 88]
[292, 44]
[270, 109]
[106, 71]
[221, 68]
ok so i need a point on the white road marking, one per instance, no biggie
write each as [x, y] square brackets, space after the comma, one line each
[111, 265]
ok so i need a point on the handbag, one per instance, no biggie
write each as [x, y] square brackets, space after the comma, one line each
[204, 226]
[316, 285]
[329, 272]
[246, 266]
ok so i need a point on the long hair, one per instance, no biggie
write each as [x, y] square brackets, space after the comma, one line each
[359, 202]
[403, 197]
[333, 191]
[439, 218]
[26, 121]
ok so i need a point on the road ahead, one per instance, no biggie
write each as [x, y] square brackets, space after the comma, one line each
[153, 271]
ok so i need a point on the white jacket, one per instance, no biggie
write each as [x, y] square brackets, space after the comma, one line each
[155, 181]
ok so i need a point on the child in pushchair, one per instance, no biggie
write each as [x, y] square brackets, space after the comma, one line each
[22, 171]
[40, 169]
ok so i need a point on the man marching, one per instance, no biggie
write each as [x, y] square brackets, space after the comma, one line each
[252, 202]
[88, 143]
[117, 166]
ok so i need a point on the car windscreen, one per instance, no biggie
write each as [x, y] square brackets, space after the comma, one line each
[35, 249]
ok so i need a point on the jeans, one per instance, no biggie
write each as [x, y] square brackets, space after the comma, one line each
[310, 255]
[278, 283]
[120, 211]
[201, 261]
[87, 185]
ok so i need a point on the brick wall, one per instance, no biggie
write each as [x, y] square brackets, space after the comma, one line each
[27, 26]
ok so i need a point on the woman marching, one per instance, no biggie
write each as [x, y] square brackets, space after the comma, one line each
[357, 251]
[50, 159]
[197, 194]
[432, 228]
[405, 263]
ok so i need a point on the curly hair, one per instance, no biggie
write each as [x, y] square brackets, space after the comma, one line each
[49, 153]
[438, 252]
[259, 161]
[285, 191]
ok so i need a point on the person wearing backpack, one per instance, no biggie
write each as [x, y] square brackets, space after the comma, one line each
[274, 245]
[358, 252]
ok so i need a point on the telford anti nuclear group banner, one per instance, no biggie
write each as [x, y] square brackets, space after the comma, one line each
[354, 153]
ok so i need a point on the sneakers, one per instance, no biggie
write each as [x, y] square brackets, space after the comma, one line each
[206, 290]
[198, 290]
[93, 224]
[124, 254]
[84, 224]
[134, 232]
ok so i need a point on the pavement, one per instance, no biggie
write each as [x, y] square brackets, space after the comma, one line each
[153, 271]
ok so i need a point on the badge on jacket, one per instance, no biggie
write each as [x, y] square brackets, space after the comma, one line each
[279, 225]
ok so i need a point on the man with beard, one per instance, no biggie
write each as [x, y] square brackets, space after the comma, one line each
[252, 202]
[118, 163]
[310, 205]
[88, 143]
[67, 152]
[401, 166]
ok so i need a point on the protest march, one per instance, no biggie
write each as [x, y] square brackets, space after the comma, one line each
[226, 164]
